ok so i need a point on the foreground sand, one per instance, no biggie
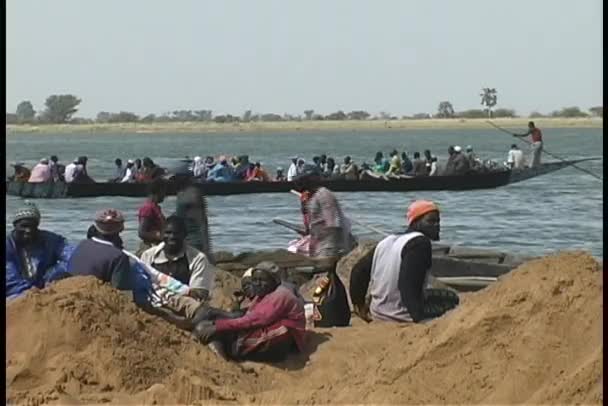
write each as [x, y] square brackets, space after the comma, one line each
[290, 126]
[534, 337]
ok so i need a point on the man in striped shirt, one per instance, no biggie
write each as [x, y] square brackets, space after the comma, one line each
[329, 228]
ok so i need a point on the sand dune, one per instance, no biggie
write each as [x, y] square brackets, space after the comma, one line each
[533, 337]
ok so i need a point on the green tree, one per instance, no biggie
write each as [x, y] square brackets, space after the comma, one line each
[358, 115]
[597, 111]
[421, 116]
[60, 108]
[25, 112]
[247, 116]
[338, 115]
[473, 113]
[11, 118]
[505, 113]
[308, 114]
[569, 112]
[445, 110]
[536, 114]
[489, 99]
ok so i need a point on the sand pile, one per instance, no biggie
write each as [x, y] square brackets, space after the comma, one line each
[533, 337]
[81, 339]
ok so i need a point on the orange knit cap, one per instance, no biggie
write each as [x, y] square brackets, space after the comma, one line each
[418, 209]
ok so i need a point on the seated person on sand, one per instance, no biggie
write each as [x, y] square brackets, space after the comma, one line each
[397, 273]
[101, 255]
[272, 327]
[176, 258]
[34, 257]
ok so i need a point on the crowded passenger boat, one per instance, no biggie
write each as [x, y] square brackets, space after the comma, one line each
[241, 169]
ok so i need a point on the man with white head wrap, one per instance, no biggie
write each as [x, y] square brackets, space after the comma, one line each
[34, 257]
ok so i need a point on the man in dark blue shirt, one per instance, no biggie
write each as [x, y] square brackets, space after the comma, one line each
[101, 253]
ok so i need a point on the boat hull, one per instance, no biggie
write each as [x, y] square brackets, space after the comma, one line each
[425, 183]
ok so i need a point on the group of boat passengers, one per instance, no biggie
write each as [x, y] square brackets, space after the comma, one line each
[50, 170]
[171, 278]
[223, 169]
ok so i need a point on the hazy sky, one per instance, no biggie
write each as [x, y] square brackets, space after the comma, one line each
[402, 56]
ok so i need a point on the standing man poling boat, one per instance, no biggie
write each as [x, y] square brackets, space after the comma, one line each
[536, 136]
[150, 216]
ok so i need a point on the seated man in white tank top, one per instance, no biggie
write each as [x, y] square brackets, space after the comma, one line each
[397, 272]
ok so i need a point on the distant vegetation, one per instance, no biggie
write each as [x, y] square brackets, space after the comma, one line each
[60, 109]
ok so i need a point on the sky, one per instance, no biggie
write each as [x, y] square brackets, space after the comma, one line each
[272, 56]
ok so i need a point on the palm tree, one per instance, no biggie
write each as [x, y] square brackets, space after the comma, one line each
[488, 99]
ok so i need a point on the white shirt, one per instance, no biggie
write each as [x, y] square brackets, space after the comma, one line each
[433, 169]
[516, 157]
[128, 175]
[202, 272]
[70, 171]
[292, 172]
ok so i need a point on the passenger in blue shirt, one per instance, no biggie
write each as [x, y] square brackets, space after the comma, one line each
[34, 257]
[221, 172]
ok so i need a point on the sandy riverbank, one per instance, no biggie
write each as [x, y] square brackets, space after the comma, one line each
[533, 337]
[291, 126]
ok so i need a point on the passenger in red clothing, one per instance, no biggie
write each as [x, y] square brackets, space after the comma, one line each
[272, 327]
[151, 218]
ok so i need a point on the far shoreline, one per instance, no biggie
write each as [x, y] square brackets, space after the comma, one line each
[302, 126]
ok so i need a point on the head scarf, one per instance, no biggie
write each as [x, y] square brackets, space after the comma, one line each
[270, 267]
[28, 211]
[44, 161]
[109, 221]
[457, 148]
[418, 209]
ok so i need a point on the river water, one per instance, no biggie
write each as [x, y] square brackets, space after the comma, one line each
[562, 210]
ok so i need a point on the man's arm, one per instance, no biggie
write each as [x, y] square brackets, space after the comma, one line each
[523, 135]
[146, 231]
[416, 260]
[121, 273]
[266, 312]
[201, 279]
[359, 283]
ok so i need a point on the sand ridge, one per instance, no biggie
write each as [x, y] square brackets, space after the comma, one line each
[533, 337]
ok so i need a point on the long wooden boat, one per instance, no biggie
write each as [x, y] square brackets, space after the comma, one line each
[489, 180]
[461, 268]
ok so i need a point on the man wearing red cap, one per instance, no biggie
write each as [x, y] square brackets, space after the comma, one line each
[397, 273]
[101, 255]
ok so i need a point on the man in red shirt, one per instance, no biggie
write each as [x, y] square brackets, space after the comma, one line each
[537, 143]
[151, 218]
[273, 326]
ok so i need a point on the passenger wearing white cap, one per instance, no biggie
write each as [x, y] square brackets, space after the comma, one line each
[460, 163]
[199, 167]
[292, 172]
[41, 172]
[129, 175]
[474, 162]
[71, 171]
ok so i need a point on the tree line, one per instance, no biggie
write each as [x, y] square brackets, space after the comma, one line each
[60, 109]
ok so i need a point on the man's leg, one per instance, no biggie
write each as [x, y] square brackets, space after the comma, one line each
[536, 152]
[439, 301]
